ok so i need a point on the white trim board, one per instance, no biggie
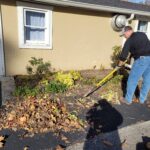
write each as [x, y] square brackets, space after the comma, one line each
[2, 65]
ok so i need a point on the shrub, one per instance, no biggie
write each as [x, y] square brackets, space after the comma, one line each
[115, 55]
[67, 78]
[38, 67]
[55, 83]
[46, 87]
[64, 78]
[75, 75]
[55, 87]
[25, 91]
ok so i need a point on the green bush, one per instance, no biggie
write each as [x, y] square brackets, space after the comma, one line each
[26, 91]
[68, 78]
[40, 83]
[55, 87]
[115, 55]
[38, 67]
[75, 75]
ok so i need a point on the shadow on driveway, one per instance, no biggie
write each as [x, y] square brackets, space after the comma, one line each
[103, 118]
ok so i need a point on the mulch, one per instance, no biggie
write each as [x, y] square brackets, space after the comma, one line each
[101, 117]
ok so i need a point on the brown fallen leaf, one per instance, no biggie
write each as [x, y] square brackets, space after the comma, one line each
[123, 143]
[32, 107]
[107, 143]
[63, 108]
[22, 120]
[37, 116]
[10, 117]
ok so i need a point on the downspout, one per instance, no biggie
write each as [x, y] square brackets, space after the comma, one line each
[130, 18]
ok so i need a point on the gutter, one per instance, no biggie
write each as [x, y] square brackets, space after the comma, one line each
[69, 3]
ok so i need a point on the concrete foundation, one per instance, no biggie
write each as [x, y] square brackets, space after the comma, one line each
[7, 87]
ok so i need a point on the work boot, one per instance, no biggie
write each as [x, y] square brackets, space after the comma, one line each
[124, 101]
[136, 100]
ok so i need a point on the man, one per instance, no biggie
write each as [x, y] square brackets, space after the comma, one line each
[138, 45]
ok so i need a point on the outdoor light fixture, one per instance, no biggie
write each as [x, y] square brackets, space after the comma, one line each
[119, 21]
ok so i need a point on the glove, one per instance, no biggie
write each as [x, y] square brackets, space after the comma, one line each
[128, 66]
[118, 67]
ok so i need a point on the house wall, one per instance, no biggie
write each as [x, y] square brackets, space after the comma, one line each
[81, 40]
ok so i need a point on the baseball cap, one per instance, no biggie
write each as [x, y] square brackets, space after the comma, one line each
[125, 29]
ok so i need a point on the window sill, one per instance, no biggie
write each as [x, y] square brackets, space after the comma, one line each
[35, 46]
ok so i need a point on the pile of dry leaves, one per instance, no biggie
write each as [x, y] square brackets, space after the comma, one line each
[38, 116]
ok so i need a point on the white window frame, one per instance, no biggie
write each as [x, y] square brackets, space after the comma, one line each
[23, 43]
[148, 28]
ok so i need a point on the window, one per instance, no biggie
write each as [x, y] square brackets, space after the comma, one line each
[142, 26]
[35, 26]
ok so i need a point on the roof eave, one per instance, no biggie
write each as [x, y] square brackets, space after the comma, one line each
[92, 6]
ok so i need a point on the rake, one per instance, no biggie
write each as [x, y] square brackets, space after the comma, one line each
[103, 81]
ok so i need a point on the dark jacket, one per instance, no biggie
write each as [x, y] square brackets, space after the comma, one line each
[138, 45]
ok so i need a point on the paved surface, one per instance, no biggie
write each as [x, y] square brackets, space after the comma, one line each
[113, 123]
[127, 138]
[7, 87]
[133, 113]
